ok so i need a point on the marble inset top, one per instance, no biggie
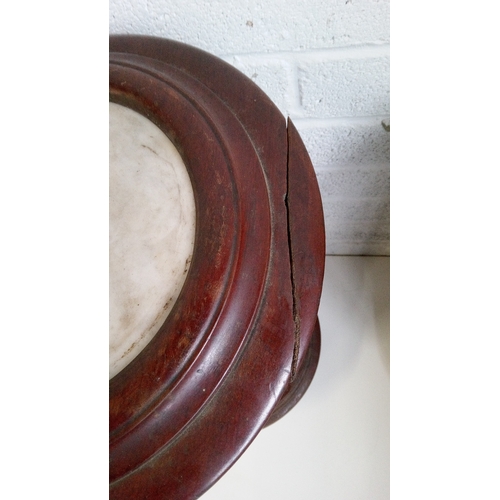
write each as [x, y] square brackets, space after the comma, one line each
[151, 232]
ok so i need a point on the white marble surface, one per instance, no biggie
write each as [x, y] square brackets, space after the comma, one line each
[151, 232]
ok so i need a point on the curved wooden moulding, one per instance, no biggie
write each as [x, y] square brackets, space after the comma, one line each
[241, 344]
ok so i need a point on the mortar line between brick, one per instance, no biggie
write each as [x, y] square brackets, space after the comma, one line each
[378, 243]
[351, 198]
[375, 166]
[319, 54]
[362, 254]
[303, 123]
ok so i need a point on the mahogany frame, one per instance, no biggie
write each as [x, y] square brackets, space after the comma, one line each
[241, 343]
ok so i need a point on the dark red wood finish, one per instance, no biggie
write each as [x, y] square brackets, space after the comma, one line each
[237, 344]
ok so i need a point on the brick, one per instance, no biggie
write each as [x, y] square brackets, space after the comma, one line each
[343, 88]
[273, 77]
[357, 227]
[357, 238]
[354, 183]
[358, 232]
[225, 27]
[357, 210]
[362, 22]
[335, 247]
[351, 144]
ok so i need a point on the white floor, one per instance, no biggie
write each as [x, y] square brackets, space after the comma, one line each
[335, 443]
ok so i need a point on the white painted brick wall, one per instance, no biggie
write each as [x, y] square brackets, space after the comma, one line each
[339, 88]
[323, 63]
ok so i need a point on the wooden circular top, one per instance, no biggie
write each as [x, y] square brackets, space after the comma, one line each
[240, 331]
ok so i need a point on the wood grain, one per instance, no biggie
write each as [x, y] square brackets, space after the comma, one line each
[191, 402]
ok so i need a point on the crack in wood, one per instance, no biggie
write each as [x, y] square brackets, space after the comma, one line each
[296, 316]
